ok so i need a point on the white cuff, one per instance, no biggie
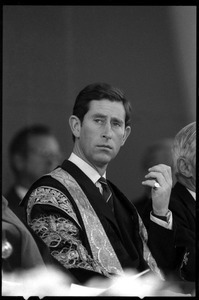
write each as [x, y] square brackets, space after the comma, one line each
[166, 224]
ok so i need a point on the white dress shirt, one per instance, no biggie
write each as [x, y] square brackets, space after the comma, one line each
[87, 169]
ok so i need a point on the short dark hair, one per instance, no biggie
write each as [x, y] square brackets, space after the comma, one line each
[19, 143]
[99, 91]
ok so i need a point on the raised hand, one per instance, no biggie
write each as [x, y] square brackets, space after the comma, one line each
[159, 179]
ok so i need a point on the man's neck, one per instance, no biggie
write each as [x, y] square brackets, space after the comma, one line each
[88, 170]
[101, 170]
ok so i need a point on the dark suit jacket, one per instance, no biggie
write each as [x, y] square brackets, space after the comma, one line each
[14, 201]
[183, 207]
[121, 229]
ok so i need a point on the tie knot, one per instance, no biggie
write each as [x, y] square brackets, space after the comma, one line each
[102, 180]
[106, 190]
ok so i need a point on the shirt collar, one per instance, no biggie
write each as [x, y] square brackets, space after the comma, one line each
[192, 193]
[85, 167]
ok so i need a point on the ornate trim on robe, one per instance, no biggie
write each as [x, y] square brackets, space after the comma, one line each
[60, 234]
[51, 196]
[101, 247]
[146, 252]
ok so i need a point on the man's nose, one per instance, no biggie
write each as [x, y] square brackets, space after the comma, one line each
[107, 132]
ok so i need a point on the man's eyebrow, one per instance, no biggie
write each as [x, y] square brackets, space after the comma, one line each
[103, 116]
[118, 120]
[99, 115]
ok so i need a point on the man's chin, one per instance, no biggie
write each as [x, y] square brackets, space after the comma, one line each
[103, 160]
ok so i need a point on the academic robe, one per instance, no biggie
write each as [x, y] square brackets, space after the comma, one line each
[122, 229]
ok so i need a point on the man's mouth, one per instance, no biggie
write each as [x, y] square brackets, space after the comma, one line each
[105, 146]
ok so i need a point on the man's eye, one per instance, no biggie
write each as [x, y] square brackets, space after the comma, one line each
[116, 124]
[99, 121]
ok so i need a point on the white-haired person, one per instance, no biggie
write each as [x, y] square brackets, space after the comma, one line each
[182, 204]
[183, 198]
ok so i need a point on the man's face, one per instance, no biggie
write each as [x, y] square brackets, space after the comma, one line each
[43, 156]
[102, 132]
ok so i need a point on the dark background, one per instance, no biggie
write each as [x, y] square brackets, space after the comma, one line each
[51, 52]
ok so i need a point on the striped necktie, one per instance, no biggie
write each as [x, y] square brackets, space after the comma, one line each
[107, 194]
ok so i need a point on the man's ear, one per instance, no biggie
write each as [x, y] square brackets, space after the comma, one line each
[185, 167]
[126, 134]
[75, 125]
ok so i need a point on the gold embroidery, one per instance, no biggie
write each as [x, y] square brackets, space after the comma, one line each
[101, 247]
[62, 238]
[50, 196]
[58, 231]
[146, 252]
[185, 259]
[183, 264]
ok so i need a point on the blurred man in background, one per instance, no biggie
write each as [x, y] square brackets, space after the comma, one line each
[33, 152]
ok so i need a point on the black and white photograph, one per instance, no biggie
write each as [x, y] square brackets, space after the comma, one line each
[99, 150]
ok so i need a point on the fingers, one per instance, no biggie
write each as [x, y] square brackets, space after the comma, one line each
[160, 173]
[163, 169]
[159, 179]
[151, 183]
